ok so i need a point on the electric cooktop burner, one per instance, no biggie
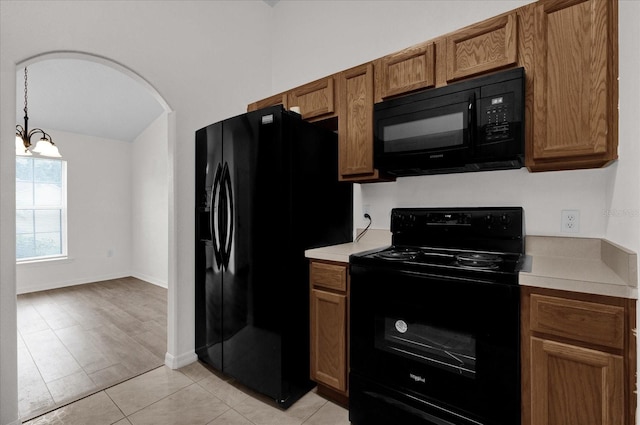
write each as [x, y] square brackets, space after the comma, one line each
[470, 243]
[453, 262]
[399, 254]
[479, 260]
[428, 256]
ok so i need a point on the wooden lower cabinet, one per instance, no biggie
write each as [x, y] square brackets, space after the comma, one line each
[578, 359]
[575, 385]
[329, 328]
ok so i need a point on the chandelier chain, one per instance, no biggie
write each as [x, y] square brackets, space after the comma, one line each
[25, 90]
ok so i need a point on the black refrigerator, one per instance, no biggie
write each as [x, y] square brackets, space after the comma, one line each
[266, 189]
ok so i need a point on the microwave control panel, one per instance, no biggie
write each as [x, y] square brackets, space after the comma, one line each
[496, 117]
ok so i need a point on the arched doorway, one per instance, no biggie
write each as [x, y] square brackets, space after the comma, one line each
[169, 144]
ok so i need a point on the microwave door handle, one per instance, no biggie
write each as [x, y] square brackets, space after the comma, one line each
[471, 120]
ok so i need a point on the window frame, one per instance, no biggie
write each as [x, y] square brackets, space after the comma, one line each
[63, 207]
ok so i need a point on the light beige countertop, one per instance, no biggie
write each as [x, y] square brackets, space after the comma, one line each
[374, 238]
[589, 265]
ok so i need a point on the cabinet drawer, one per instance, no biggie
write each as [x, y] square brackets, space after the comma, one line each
[328, 275]
[584, 321]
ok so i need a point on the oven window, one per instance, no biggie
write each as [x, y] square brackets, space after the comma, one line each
[427, 133]
[432, 345]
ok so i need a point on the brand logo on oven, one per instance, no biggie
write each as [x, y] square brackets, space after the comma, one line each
[439, 155]
[417, 378]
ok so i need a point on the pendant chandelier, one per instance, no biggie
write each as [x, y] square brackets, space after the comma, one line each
[24, 147]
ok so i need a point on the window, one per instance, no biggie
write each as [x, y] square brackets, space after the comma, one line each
[41, 208]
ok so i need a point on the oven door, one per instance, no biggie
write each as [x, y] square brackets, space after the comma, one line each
[448, 348]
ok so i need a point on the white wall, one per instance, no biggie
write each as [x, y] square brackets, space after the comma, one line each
[207, 59]
[117, 211]
[150, 203]
[98, 215]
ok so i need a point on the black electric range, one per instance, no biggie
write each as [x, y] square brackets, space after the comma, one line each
[435, 320]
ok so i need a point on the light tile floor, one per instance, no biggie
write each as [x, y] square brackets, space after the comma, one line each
[192, 395]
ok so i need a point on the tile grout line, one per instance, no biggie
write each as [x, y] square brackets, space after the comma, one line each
[67, 403]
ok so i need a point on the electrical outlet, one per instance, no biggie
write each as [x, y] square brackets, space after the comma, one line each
[366, 209]
[570, 221]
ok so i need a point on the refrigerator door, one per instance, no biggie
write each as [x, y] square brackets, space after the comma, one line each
[252, 341]
[208, 273]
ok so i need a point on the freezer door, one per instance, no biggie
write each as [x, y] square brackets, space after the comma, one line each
[208, 273]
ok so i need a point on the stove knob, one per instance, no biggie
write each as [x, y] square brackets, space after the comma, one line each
[505, 220]
[488, 220]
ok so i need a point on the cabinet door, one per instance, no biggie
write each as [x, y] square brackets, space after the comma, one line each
[329, 339]
[314, 99]
[575, 92]
[408, 70]
[575, 385]
[482, 47]
[277, 99]
[355, 123]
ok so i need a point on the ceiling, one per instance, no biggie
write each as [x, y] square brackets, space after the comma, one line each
[85, 97]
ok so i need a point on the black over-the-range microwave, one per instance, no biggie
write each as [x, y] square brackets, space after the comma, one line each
[472, 125]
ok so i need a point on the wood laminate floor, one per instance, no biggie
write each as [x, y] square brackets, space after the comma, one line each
[82, 339]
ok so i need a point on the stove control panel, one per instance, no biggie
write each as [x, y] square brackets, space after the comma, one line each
[462, 222]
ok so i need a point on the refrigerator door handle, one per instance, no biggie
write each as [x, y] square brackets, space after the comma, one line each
[214, 216]
[229, 224]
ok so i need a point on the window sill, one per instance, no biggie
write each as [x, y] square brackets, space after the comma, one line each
[45, 261]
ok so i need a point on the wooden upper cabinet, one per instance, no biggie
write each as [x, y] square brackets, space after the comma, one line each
[355, 124]
[575, 113]
[277, 99]
[482, 47]
[315, 99]
[568, 48]
[406, 71]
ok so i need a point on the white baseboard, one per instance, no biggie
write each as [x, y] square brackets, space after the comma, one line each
[43, 286]
[176, 362]
[150, 279]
